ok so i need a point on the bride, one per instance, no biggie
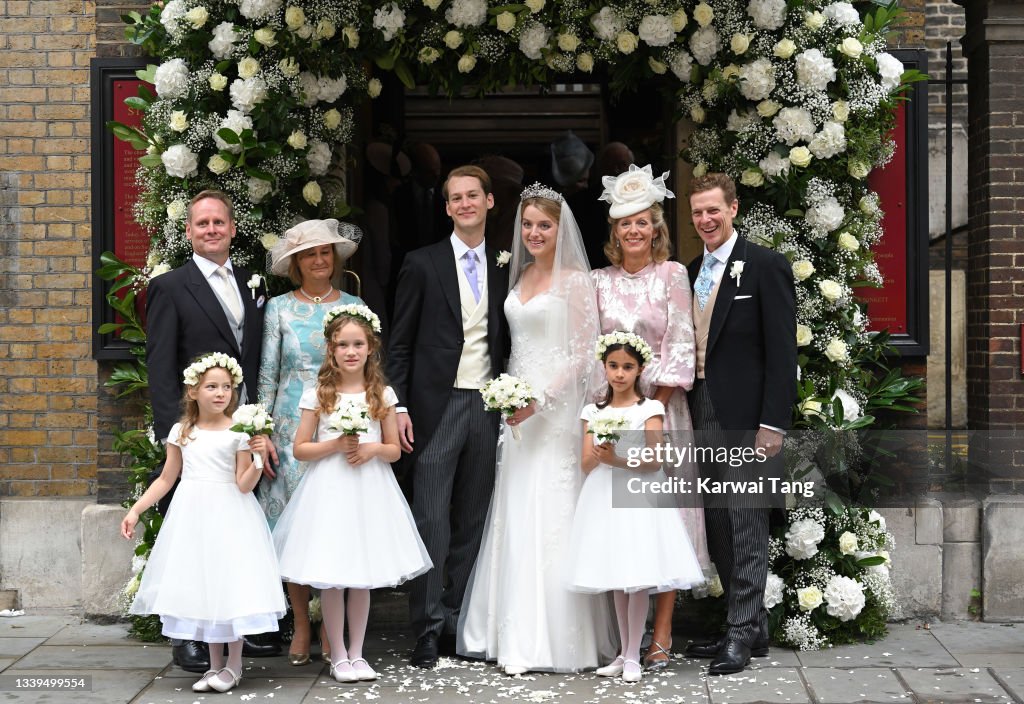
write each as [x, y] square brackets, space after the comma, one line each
[518, 609]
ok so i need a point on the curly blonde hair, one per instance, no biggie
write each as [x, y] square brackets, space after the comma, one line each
[329, 375]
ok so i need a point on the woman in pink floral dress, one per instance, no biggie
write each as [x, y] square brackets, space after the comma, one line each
[646, 294]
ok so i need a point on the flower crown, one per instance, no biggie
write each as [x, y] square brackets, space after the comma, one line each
[539, 190]
[620, 337]
[353, 310]
[194, 372]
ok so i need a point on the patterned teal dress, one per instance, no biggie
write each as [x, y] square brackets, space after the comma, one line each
[293, 350]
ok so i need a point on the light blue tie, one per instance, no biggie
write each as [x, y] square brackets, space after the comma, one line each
[705, 281]
[469, 267]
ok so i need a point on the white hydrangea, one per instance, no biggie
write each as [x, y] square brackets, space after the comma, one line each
[704, 44]
[774, 164]
[681, 65]
[318, 157]
[831, 140]
[258, 188]
[533, 39]
[607, 24]
[825, 216]
[248, 93]
[794, 125]
[890, 69]
[844, 598]
[389, 19]
[169, 16]
[656, 30]
[773, 590]
[223, 43]
[757, 79]
[329, 89]
[803, 537]
[467, 13]
[843, 14]
[307, 89]
[814, 70]
[180, 162]
[737, 122]
[851, 409]
[171, 79]
[235, 121]
[258, 9]
[767, 14]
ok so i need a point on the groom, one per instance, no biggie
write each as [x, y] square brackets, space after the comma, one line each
[744, 315]
[448, 338]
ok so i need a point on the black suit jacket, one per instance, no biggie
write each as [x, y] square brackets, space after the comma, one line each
[751, 360]
[184, 319]
[426, 332]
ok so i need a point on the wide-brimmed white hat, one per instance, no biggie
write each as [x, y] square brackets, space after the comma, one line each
[634, 191]
[313, 233]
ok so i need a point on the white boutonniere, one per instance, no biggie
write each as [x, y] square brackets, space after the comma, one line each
[736, 272]
[255, 281]
[503, 258]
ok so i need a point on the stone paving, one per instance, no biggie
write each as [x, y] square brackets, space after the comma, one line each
[942, 662]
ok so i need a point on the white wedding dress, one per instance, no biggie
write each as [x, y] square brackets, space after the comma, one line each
[519, 610]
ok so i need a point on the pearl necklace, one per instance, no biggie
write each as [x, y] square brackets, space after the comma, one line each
[317, 299]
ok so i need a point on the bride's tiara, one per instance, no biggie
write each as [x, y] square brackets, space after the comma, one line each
[539, 190]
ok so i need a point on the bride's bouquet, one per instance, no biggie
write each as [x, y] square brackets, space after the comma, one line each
[607, 425]
[350, 418]
[507, 394]
[253, 419]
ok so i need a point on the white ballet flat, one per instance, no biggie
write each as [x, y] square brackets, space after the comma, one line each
[513, 670]
[364, 673]
[631, 676]
[343, 677]
[203, 685]
[220, 686]
[612, 669]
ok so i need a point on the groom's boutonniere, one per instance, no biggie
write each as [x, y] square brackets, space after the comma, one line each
[736, 271]
[254, 283]
[503, 258]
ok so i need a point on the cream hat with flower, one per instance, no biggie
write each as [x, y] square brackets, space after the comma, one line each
[313, 233]
[633, 191]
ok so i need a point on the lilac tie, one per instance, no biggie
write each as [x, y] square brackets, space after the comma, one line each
[469, 260]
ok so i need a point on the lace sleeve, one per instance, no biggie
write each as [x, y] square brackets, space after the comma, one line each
[581, 328]
[270, 362]
[678, 346]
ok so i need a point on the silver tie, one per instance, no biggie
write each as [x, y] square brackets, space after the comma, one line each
[228, 294]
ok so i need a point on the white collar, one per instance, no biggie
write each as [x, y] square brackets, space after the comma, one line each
[723, 253]
[461, 248]
[208, 267]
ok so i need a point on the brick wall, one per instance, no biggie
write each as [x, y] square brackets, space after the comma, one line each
[48, 398]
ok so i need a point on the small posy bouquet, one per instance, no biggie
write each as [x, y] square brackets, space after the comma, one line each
[253, 419]
[607, 425]
[350, 418]
[507, 394]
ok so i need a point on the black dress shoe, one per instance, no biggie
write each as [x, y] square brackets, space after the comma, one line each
[425, 653]
[446, 644]
[261, 645]
[191, 656]
[710, 648]
[732, 658]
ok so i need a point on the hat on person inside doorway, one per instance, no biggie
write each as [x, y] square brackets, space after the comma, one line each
[571, 159]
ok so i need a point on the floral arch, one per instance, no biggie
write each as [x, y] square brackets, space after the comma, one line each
[793, 98]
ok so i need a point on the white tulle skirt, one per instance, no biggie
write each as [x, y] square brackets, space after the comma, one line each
[212, 575]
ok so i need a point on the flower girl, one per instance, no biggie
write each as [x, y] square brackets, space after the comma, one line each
[215, 532]
[605, 556]
[347, 527]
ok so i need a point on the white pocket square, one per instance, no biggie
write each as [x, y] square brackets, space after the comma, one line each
[740, 298]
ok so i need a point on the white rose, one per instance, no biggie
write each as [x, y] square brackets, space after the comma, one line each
[868, 204]
[171, 79]
[844, 598]
[311, 192]
[802, 269]
[535, 5]
[161, 268]
[325, 29]
[627, 42]
[506, 22]
[305, 31]
[180, 162]
[847, 543]
[803, 335]
[656, 66]
[656, 30]
[858, 169]
[332, 119]
[218, 164]
[703, 14]
[700, 169]
[752, 177]
[814, 20]
[568, 42]
[432, 4]
[809, 598]
[803, 537]
[452, 39]
[248, 67]
[841, 110]
[294, 17]
[318, 157]
[197, 17]
[428, 55]
[697, 114]
[767, 108]
[268, 240]
[810, 408]
[176, 209]
[739, 43]
[351, 35]
[258, 189]
[877, 518]
[297, 139]
[851, 47]
[830, 290]
[585, 62]
[784, 48]
[217, 81]
[289, 67]
[728, 73]
[466, 63]
[773, 590]
[373, 87]
[851, 410]
[848, 242]
[679, 20]
[800, 156]
[178, 121]
[836, 351]
[265, 36]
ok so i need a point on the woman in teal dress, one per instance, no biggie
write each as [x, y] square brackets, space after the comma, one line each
[312, 254]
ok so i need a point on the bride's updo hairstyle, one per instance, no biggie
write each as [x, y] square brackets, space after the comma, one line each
[551, 208]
